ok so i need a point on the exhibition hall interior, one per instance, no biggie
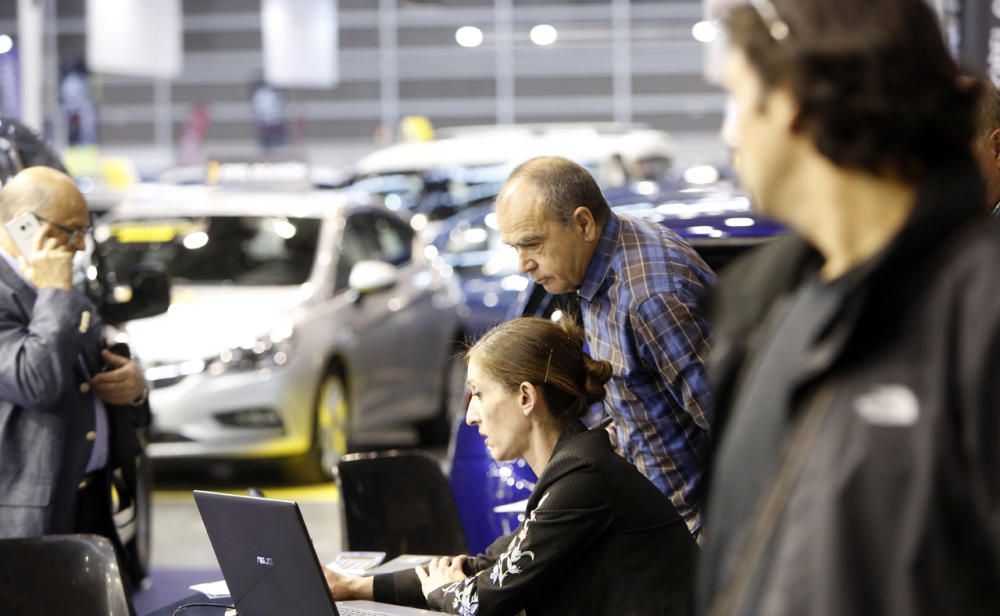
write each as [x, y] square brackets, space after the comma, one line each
[498, 307]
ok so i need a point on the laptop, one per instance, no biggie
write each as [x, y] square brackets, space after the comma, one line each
[268, 560]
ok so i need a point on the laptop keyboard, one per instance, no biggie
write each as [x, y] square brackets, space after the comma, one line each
[355, 611]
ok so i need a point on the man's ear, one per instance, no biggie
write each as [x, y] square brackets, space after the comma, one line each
[528, 398]
[994, 146]
[583, 221]
[783, 103]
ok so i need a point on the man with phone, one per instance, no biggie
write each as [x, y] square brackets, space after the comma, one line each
[60, 388]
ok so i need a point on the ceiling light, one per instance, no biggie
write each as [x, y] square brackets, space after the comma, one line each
[469, 36]
[543, 34]
[701, 174]
[705, 31]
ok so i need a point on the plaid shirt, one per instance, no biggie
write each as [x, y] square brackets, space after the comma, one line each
[639, 300]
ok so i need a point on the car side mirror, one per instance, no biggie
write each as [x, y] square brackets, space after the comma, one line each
[371, 276]
[150, 296]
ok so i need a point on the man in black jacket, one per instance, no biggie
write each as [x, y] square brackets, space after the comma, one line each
[855, 361]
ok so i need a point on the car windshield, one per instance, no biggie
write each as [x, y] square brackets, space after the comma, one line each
[238, 250]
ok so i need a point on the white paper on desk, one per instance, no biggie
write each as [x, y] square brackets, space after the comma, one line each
[212, 590]
[401, 563]
[355, 563]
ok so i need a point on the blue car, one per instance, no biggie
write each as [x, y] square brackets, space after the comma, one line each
[717, 222]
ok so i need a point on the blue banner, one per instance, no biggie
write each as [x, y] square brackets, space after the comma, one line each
[10, 84]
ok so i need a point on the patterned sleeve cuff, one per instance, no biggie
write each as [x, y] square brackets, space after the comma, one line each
[456, 598]
[435, 600]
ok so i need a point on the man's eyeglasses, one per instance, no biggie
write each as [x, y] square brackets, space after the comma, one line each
[75, 235]
[776, 26]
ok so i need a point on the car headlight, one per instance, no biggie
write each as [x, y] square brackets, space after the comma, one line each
[269, 351]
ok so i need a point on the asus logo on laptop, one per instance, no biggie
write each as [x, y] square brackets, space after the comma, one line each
[265, 560]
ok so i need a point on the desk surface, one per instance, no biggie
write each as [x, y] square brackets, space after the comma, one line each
[404, 561]
[222, 602]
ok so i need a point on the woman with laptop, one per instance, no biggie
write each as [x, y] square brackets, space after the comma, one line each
[597, 537]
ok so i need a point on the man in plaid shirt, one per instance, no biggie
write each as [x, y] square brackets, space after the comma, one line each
[639, 286]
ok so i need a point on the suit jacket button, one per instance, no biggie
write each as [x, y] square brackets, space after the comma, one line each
[84, 388]
[92, 436]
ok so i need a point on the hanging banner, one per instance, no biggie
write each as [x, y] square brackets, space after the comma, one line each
[300, 43]
[980, 46]
[10, 84]
[134, 37]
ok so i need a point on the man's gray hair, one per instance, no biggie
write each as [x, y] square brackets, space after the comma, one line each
[563, 186]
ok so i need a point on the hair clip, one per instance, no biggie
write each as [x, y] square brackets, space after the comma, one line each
[768, 13]
[549, 363]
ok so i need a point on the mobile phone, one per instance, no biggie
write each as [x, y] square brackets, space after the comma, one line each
[23, 231]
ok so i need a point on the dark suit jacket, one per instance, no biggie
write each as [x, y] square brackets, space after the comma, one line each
[46, 416]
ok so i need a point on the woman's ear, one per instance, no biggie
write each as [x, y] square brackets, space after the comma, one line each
[528, 398]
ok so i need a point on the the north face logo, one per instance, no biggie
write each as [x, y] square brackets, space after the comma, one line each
[888, 405]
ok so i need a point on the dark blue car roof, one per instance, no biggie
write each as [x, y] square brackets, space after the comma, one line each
[699, 215]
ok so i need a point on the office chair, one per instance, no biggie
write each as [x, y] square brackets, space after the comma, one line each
[61, 574]
[398, 503]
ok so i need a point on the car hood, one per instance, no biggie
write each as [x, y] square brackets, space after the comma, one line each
[203, 321]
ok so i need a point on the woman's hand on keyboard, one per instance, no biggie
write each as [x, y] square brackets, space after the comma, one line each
[439, 572]
[347, 587]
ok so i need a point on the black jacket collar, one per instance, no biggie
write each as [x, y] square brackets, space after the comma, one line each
[949, 197]
[561, 462]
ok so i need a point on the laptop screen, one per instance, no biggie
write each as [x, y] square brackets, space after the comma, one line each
[265, 554]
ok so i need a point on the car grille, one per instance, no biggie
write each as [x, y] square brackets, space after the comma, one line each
[167, 382]
[169, 437]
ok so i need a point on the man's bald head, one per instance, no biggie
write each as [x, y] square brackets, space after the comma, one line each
[53, 197]
[560, 185]
[47, 192]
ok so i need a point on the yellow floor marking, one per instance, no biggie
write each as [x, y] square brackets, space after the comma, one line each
[325, 492]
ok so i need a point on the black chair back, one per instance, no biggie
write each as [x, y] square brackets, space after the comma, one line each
[398, 503]
[61, 574]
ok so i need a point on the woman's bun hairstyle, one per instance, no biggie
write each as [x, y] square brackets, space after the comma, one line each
[548, 354]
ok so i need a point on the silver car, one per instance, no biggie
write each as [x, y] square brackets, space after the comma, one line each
[301, 324]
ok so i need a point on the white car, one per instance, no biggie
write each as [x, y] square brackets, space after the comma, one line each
[466, 166]
[302, 323]
[608, 148]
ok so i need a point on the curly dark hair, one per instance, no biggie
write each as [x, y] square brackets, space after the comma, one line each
[989, 108]
[876, 86]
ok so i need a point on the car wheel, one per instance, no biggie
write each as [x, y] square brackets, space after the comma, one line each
[331, 426]
[454, 400]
